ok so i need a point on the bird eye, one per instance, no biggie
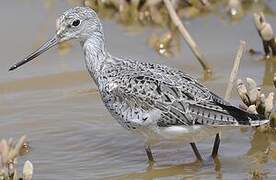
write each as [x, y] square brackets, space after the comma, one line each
[76, 23]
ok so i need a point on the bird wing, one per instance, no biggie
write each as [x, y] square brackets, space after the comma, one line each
[180, 99]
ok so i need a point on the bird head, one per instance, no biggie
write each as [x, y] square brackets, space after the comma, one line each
[75, 23]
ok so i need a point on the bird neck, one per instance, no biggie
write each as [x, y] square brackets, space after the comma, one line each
[95, 53]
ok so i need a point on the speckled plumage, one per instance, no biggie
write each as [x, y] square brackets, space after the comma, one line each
[146, 98]
[155, 101]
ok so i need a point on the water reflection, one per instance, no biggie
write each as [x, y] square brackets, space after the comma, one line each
[259, 154]
[165, 167]
[188, 170]
[270, 69]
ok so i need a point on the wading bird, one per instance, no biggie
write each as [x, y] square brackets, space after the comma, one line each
[152, 100]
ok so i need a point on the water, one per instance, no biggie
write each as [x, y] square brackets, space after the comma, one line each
[55, 103]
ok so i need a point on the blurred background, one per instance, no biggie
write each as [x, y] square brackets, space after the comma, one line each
[72, 136]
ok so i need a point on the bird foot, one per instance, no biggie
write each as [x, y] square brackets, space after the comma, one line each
[211, 161]
[150, 164]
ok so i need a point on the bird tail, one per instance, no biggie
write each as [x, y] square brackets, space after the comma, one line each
[245, 118]
[259, 122]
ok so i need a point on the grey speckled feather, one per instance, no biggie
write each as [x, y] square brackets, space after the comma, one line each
[141, 94]
[153, 100]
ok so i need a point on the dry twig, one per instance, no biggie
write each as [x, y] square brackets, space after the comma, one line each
[265, 31]
[188, 38]
[234, 71]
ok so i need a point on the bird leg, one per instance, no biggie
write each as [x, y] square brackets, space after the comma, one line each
[216, 146]
[149, 154]
[197, 154]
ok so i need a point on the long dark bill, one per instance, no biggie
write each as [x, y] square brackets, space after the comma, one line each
[52, 42]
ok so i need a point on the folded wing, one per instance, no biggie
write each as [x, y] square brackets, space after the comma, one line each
[180, 99]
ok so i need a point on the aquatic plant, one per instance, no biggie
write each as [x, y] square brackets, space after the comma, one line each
[255, 101]
[149, 13]
[154, 12]
[168, 13]
[161, 12]
[9, 153]
[265, 32]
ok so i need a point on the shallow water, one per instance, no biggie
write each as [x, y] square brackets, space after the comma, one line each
[55, 103]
